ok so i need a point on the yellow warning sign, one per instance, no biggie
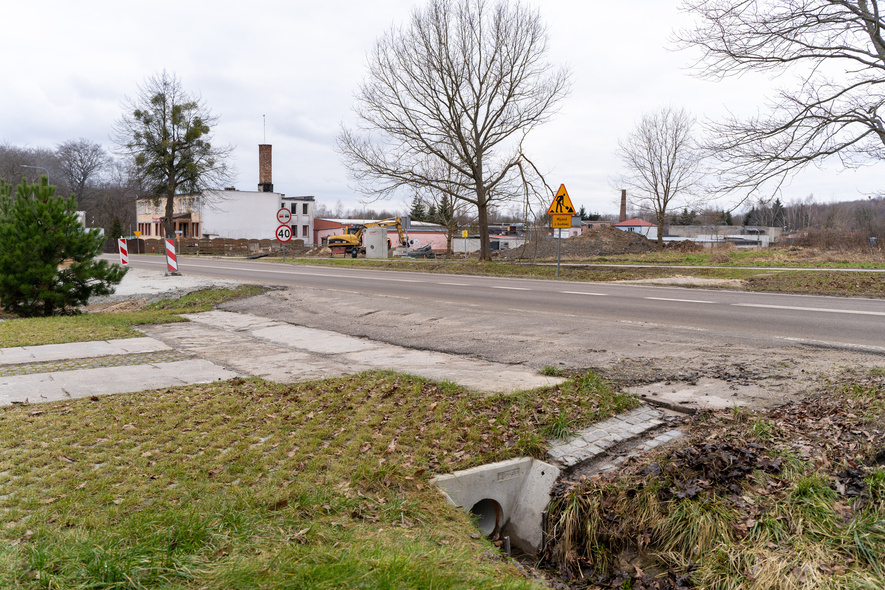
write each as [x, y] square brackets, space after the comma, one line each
[561, 221]
[561, 205]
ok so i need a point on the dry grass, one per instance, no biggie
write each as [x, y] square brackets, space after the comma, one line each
[792, 499]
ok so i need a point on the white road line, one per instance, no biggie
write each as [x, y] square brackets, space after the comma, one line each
[455, 284]
[584, 293]
[677, 300]
[820, 309]
[511, 288]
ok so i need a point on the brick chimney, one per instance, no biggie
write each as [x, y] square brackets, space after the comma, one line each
[623, 215]
[265, 166]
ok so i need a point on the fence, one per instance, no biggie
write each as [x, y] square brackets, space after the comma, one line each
[216, 247]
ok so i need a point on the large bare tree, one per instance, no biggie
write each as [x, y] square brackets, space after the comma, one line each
[167, 134]
[662, 163]
[81, 161]
[456, 89]
[835, 51]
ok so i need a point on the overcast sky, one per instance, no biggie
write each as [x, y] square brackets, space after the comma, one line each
[68, 66]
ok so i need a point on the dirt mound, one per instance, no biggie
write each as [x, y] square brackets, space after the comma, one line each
[116, 306]
[319, 251]
[605, 241]
[685, 246]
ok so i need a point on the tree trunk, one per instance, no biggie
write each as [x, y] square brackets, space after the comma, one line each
[485, 246]
[660, 220]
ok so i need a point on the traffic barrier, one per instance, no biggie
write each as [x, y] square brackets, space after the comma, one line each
[124, 251]
[171, 260]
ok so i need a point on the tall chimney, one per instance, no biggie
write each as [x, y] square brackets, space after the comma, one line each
[265, 165]
[623, 215]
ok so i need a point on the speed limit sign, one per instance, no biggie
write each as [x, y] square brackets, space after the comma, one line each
[284, 233]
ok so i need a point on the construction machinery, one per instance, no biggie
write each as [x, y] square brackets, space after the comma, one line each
[352, 241]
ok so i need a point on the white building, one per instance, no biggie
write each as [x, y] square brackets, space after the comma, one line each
[231, 213]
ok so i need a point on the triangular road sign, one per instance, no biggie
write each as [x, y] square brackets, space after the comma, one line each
[561, 205]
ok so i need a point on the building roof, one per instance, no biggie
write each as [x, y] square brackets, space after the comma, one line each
[635, 222]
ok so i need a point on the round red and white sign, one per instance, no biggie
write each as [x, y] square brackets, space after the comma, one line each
[284, 215]
[284, 233]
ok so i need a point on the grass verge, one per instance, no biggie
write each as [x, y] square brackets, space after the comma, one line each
[787, 499]
[250, 484]
[108, 326]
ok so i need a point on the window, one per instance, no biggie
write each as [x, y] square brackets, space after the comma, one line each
[305, 229]
[304, 209]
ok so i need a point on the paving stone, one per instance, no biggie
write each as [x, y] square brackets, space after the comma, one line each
[579, 443]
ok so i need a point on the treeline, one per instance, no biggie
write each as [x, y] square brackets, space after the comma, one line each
[102, 185]
[864, 217]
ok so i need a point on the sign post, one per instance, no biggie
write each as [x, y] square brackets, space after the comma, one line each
[561, 211]
[284, 234]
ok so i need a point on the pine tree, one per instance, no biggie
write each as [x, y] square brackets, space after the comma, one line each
[417, 212]
[116, 228]
[582, 213]
[47, 258]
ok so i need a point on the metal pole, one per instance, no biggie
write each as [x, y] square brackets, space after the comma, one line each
[558, 249]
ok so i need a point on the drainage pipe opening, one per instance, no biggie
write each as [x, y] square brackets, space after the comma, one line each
[488, 516]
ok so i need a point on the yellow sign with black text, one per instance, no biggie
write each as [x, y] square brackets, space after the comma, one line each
[562, 204]
[561, 221]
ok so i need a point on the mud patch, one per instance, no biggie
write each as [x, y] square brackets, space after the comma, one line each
[703, 394]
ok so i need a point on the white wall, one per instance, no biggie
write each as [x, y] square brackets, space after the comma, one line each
[251, 215]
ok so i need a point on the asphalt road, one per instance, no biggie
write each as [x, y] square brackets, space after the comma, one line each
[856, 324]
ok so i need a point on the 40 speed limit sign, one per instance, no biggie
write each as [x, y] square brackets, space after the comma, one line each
[284, 233]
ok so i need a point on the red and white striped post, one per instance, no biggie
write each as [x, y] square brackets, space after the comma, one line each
[171, 260]
[124, 251]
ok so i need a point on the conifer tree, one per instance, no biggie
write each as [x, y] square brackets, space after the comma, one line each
[116, 228]
[417, 212]
[47, 258]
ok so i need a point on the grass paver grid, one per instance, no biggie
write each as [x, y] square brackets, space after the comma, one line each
[121, 360]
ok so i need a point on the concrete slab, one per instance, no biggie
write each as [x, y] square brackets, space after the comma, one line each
[706, 394]
[79, 350]
[286, 353]
[318, 341]
[63, 385]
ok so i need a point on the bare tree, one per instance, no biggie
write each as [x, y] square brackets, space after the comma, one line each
[663, 164]
[81, 162]
[167, 133]
[836, 51]
[462, 84]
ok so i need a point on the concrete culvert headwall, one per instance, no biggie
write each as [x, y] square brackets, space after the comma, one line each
[507, 498]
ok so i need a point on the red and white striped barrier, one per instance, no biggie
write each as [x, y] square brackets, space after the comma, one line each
[124, 251]
[171, 260]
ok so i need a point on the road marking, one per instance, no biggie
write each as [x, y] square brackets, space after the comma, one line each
[821, 309]
[677, 300]
[584, 293]
[455, 284]
[510, 288]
